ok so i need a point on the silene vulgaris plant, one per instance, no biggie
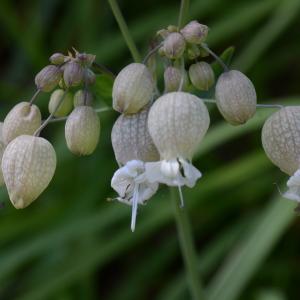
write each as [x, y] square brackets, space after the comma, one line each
[157, 132]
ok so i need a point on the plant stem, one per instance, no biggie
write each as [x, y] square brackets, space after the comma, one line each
[184, 8]
[151, 52]
[218, 59]
[34, 96]
[124, 29]
[97, 110]
[257, 105]
[46, 122]
[187, 247]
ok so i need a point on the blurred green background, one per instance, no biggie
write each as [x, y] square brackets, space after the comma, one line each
[74, 244]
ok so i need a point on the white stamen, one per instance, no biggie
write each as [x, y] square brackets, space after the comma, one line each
[135, 199]
[181, 197]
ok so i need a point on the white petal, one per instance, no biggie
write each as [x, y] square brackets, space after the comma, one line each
[168, 173]
[293, 184]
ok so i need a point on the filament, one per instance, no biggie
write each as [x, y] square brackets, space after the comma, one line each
[135, 199]
[181, 197]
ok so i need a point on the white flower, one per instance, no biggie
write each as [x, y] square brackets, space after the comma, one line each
[177, 123]
[133, 186]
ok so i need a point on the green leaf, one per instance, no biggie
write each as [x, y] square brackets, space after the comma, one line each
[103, 88]
[248, 255]
[226, 57]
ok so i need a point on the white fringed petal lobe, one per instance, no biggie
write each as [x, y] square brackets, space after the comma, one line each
[28, 165]
[172, 173]
[293, 184]
[132, 186]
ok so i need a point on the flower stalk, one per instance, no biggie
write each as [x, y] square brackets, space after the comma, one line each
[187, 246]
[124, 29]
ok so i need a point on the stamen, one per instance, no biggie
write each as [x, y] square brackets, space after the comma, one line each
[181, 197]
[135, 199]
[278, 188]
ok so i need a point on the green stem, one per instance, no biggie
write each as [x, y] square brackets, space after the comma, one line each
[124, 29]
[187, 247]
[184, 9]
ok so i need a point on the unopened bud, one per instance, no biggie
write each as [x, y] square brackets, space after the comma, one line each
[173, 78]
[48, 78]
[163, 33]
[194, 32]
[174, 45]
[57, 58]
[172, 28]
[193, 51]
[73, 74]
[131, 139]
[85, 59]
[83, 97]
[28, 165]
[22, 119]
[82, 130]
[64, 100]
[235, 97]
[202, 76]
[161, 51]
[133, 89]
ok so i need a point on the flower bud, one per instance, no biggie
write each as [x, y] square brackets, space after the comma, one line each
[177, 123]
[193, 52]
[66, 103]
[22, 119]
[174, 45]
[281, 139]
[82, 130]
[194, 32]
[89, 77]
[73, 74]
[28, 165]
[172, 79]
[85, 59]
[163, 33]
[48, 78]
[57, 58]
[202, 76]
[236, 97]
[83, 97]
[133, 89]
[172, 28]
[131, 139]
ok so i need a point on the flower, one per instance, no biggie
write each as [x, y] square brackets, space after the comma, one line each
[177, 123]
[131, 184]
